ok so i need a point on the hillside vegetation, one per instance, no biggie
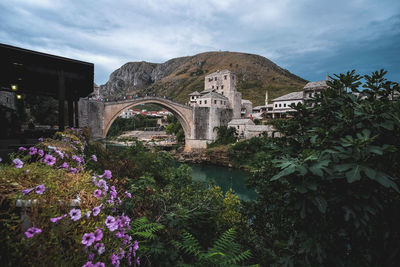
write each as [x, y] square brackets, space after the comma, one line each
[179, 77]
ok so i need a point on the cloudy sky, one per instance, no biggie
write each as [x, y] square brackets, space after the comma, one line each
[307, 37]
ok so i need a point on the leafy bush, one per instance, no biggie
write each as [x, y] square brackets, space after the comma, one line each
[328, 189]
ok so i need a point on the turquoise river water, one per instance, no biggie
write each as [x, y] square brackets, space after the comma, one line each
[225, 178]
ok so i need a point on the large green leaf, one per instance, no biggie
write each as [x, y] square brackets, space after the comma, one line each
[354, 174]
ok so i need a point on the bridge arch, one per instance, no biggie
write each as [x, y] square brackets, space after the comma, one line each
[183, 113]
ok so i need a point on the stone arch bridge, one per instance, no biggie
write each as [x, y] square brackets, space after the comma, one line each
[198, 123]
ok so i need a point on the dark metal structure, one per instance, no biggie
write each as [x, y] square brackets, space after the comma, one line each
[36, 73]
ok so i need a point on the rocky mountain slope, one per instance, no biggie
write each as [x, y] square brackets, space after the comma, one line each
[178, 77]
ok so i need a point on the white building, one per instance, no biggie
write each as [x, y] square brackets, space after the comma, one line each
[220, 86]
[240, 125]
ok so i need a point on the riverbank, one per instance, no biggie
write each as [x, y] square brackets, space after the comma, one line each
[215, 156]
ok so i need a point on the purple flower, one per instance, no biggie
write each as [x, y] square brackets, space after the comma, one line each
[59, 153]
[91, 256]
[27, 191]
[97, 193]
[96, 211]
[120, 234]
[32, 151]
[73, 170]
[99, 264]
[98, 235]
[115, 260]
[40, 152]
[18, 163]
[64, 165]
[75, 214]
[88, 239]
[137, 261]
[107, 174]
[87, 214]
[109, 220]
[1, 159]
[54, 220]
[78, 159]
[94, 158]
[40, 139]
[112, 227]
[49, 159]
[127, 194]
[135, 245]
[100, 248]
[32, 231]
[88, 264]
[21, 148]
[102, 183]
[40, 189]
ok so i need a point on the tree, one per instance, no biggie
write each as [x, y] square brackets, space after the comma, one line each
[328, 189]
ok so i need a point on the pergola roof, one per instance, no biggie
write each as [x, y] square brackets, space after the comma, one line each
[41, 74]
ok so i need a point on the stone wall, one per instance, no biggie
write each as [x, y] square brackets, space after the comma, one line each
[7, 99]
[91, 115]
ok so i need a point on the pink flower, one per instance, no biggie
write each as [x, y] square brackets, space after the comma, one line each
[127, 194]
[40, 152]
[94, 158]
[32, 231]
[40, 139]
[21, 148]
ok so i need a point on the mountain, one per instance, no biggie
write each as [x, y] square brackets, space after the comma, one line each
[178, 77]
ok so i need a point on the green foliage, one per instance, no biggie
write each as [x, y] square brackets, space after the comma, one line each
[174, 127]
[138, 122]
[328, 189]
[225, 135]
[225, 251]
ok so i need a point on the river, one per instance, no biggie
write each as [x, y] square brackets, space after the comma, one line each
[225, 178]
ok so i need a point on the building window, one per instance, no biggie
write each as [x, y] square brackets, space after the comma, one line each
[215, 101]
[215, 78]
[212, 87]
[225, 76]
[233, 77]
[310, 95]
[200, 102]
[7, 99]
[238, 127]
[280, 105]
[221, 102]
[276, 105]
[205, 102]
[217, 86]
[284, 105]
[224, 102]
[210, 79]
[222, 93]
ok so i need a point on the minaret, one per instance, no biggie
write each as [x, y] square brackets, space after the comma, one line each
[266, 98]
